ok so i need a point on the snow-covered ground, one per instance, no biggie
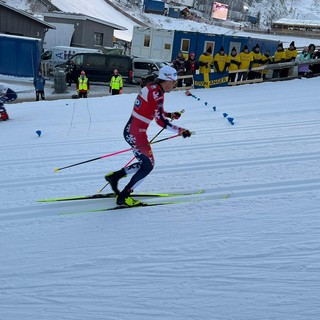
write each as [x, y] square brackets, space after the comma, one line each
[252, 256]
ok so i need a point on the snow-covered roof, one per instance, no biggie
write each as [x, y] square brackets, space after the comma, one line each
[297, 22]
[80, 16]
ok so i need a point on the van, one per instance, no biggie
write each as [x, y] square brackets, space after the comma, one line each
[143, 66]
[60, 54]
[99, 67]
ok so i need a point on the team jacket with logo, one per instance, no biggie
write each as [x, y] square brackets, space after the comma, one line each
[149, 106]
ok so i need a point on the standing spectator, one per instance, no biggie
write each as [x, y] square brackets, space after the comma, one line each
[316, 67]
[116, 83]
[6, 95]
[291, 55]
[303, 69]
[71, 73]
[39, 82]
[266, 59]
[256, 54]
[125, 48]
[179, 63]
[278, 57]
[246, 60]
[191, 66]
[312, 49]
[206, 61]
[83, 85]
[233, 63]
[220, 61]
[312, 52]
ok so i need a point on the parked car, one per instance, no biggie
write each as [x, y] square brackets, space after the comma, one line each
[99, 67]
[60, 54]
[145, 66]
[147, 78]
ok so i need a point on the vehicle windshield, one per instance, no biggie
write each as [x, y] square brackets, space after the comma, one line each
[161, 64]
[46, 55]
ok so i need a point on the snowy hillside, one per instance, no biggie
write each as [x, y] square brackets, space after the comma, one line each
[268, 11]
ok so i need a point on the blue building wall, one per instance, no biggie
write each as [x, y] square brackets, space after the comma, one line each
[263, 44]
[200, 41]
[228, 42]
[20, 56]
[181, 37]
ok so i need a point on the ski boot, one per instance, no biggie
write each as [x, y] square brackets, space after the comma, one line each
[124, 199]
[113, 178]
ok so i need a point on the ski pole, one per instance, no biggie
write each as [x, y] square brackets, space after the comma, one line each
[100, 190]
[114, 153]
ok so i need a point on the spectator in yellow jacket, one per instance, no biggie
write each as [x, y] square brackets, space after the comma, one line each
[246, 59]
[206, 61]
[256, 54]
[233, 63]
[83, 85]
[116, 83]
[291, 55]
[266, 59]
[220, 61]
[278, 57]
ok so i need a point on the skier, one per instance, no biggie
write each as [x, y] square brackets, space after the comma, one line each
[6, 95]
[148, 106]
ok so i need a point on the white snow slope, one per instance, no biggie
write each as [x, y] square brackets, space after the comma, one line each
[252, 256]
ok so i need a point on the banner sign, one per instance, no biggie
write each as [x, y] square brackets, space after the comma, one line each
[210, 80]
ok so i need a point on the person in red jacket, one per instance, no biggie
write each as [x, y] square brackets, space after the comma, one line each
[147, 106]
[6, 95]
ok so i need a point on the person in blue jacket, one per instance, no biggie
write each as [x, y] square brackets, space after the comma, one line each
[39, 82]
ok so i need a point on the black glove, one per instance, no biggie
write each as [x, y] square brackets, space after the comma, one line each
[185, 133]
[175, 115]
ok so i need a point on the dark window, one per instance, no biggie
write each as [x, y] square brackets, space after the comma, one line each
[96, 60]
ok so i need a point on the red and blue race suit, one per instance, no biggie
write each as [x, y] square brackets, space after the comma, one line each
[148, 106]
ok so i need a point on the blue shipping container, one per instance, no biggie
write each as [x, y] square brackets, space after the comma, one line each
[154, 6]
[20, 56]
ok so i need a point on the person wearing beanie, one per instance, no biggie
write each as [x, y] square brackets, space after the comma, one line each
[148, 106]
[246, 59]
[206, 61]
[179, 63]
[256, 54]
[278, 57]
[191, 67]
[220, 61]
[266, 59]
[304, 69]
[233, 63]
[291, 55]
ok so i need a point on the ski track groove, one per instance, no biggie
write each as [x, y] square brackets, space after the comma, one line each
[190, 167]
[40, 210]
[115, 140]
[212, 145]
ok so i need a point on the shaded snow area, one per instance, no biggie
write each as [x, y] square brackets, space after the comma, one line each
[254, 255]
